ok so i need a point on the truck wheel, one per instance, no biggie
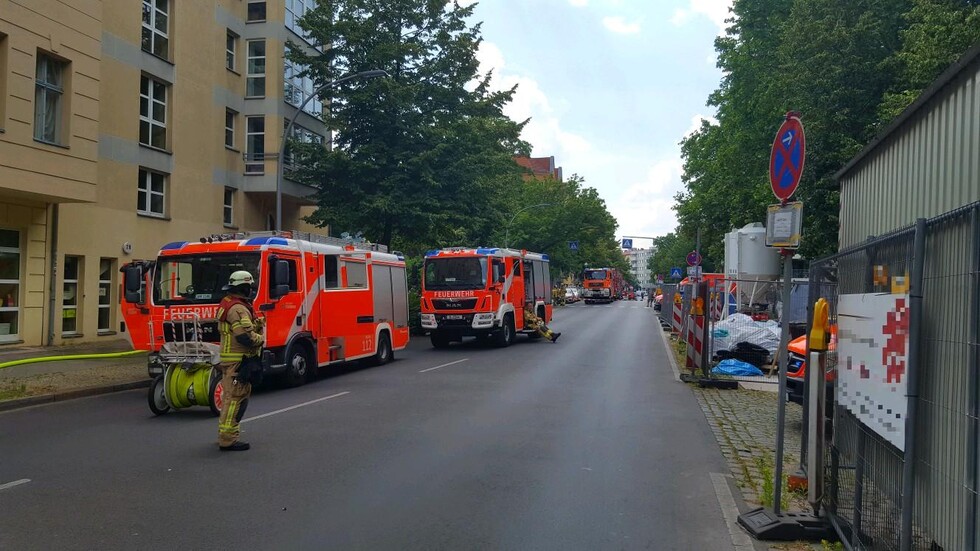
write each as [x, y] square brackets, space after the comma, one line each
[384, 353]
[156, 396]
[505, 336]
[299, 368]
[215, 392]
[439, 340]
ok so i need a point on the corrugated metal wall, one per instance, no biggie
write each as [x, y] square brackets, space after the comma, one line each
[928, 166]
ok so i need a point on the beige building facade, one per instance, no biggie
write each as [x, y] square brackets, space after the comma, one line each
[128, 124]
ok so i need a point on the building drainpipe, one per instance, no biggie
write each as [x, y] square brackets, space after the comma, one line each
[53, 283]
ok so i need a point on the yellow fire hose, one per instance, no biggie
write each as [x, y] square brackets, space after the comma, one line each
[72, 357]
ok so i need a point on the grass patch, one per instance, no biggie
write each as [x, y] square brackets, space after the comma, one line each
[767, 489]
[11, 392]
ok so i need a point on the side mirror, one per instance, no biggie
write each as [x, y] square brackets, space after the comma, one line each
[280, 279]
[133, 284]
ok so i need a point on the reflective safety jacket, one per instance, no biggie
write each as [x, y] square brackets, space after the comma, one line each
[237, 323]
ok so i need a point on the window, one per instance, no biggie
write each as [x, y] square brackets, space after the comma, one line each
[295, 9]
[302, 135]
[151, 194]
[156, 14]
[69, 299]
[231, 51]
[230, 119]
[255, 145]
[198, 279]
[9, 284]
[3, 77]
[255, 79]
[48, 98]
[356, 274]
[153, 112]
[330, 272]
[256, 10]
[106, 274]
[228, 214]
[296, 89]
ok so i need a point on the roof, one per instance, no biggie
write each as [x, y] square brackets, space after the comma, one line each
[540, 166]
[934, 89]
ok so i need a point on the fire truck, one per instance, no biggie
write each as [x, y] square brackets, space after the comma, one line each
[324, 300]
[482, 292]
[602, 285]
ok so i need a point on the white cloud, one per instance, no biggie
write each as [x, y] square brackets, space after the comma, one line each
[696, 123]
[544, 132]
[579, 3]
[645, 207]
[618, 25]
[715, 10]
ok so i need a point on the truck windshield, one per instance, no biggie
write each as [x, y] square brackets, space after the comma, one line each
[595, 274]
[456, 274]
[198, 279]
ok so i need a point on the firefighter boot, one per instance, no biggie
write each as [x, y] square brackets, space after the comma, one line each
[555, 335]
[238, 446]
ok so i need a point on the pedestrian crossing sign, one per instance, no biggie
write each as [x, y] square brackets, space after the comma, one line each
[676, 273]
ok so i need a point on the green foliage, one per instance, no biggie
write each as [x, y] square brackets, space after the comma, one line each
[419, 158]
[848, 66]
[569, 211]
[672, 251]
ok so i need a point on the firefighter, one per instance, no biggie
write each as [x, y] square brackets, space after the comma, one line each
[534, 322]
[241, 343]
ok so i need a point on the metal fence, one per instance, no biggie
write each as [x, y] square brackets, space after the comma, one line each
[925, 497]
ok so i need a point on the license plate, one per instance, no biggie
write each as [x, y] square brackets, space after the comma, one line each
[454, 317]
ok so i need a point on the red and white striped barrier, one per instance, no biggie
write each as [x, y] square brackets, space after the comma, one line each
[717, 302]
[676, 316]
[695, 344]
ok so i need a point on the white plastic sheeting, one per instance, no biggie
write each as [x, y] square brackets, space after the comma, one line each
[742, 328]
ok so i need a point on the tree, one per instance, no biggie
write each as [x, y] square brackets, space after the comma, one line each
[938, 32]
[831, 60]
[574, 212]
[418, 159]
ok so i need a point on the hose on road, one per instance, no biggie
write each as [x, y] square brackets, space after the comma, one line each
[71, 357]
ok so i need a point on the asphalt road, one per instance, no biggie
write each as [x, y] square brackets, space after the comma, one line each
[587, 443]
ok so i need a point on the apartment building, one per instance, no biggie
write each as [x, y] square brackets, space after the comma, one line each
[639, 260]
[127, 124]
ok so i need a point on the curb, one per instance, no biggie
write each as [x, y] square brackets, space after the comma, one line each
[21, 403]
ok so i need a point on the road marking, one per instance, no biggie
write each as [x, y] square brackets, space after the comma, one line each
[444, 365]
[740, 540]
[283, 410]
[14, 483]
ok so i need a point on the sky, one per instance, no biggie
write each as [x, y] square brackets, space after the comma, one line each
[611, 88]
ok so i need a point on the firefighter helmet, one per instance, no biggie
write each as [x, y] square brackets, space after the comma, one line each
[239, 278]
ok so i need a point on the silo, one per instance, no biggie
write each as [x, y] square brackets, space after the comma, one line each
[752, 265]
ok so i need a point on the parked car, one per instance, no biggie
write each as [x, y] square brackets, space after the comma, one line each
[572, 295]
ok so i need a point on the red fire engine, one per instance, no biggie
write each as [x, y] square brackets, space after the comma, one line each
[482, 292]
[601, 285]
[324, 300]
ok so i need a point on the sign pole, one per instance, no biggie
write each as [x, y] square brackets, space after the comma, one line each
[783, 363]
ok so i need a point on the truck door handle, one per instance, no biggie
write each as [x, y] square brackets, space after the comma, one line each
[267, 306]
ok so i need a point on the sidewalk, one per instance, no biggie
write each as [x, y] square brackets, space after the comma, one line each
[34, 383]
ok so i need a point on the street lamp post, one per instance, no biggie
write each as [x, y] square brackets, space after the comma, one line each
[507, 229]
[366, 75]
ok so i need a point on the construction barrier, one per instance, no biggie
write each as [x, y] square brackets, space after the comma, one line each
[695, 342]
[677, 315]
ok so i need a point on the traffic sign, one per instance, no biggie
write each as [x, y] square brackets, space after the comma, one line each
[573, 245]
[694, 271]
[627, 243]
[787, 157]
[676, 273]
[693, 258]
